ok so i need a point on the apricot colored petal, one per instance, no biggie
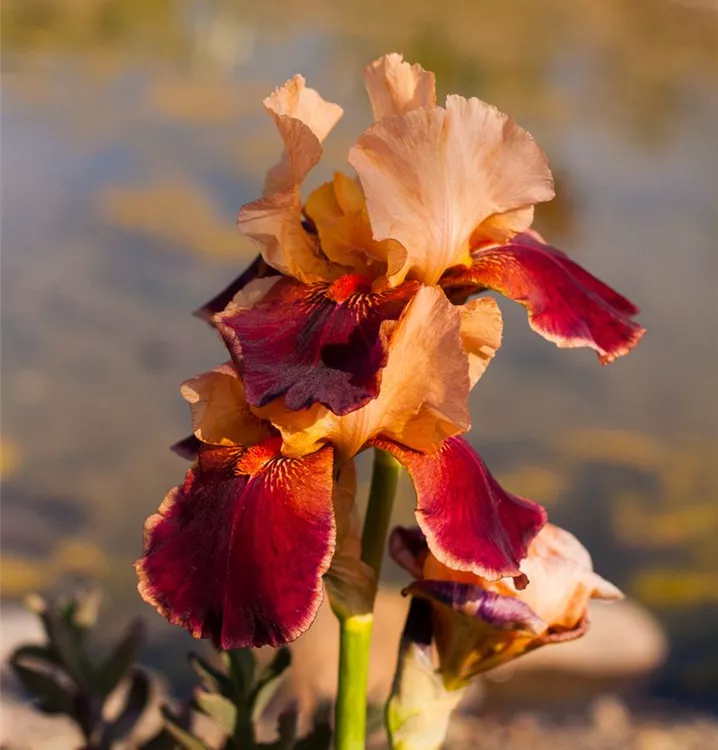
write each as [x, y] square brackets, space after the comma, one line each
[481, 328]
[471, 524]
[565, 303]
[562, 579]
[313, 344]
[220, 413]
[274, 222]
[395, 86]
[408, 548]
[432, 176]
[258, 269]
[423, 394]
[338, 211]
[238, 558]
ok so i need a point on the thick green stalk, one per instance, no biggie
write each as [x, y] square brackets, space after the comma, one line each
[385, 477]
[356, 630]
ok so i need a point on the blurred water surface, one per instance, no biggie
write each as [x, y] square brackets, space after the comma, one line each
[132, 131]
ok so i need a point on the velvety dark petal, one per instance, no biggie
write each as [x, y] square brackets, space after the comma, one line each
[236, 554]
[187, 448]
[319, 343]
[408, 548]
[565, 303]
[471, 523]
[500, 612]
[259, 269]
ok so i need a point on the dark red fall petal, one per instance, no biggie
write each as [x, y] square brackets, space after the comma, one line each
[319, 343]
[470, 522]
[408, 548]
[500, 612]
[187, 448]
[258, 269]
[238, 558]
[565, 303]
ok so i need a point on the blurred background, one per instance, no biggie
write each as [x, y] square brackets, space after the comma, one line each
[133, 130]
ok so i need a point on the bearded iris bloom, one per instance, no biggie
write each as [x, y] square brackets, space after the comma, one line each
[480, 624]
[354, 329]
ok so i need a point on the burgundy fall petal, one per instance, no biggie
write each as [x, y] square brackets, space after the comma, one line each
[237, 553]
[187, 448]
[471, 524]
[258, 269]
[319, 343]
[565, 303]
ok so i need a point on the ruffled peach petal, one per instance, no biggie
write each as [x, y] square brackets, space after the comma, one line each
[274, 222]
[395, 86]
[423, 394]
[481, 328]
[432, 176]
[237, 553]
[220, 413]
[338, 211]
[562, 579]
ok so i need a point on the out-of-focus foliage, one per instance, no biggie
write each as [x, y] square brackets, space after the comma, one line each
[64, 679]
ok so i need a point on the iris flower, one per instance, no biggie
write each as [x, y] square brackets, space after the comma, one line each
[351, 330]
[480, 624]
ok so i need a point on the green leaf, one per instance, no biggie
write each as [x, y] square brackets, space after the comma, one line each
[67, 641]
[263, 696]
[212, 679]
[136, 701]
[53, 696]
[164, 740]
[36, 653]
[321, 736]
[275, 669]
[180, 733]
[122, 658]
[241, 669]
[221, 709]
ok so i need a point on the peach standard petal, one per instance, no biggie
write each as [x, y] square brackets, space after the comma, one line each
[433, 176]
[220, 413]
[423, 394]
[274, 222]
[395, 86]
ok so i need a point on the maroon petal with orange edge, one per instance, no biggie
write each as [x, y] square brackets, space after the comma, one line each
[565, 303]
[319, 343]
[500, 612]
[258, 269]
[237, 553]
[471, 524]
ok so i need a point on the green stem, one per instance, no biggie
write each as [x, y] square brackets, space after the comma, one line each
[385, 477]
[350, 715]
[356, 630]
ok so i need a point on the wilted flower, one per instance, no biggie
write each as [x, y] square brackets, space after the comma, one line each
[479, 624]
[352, 330]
